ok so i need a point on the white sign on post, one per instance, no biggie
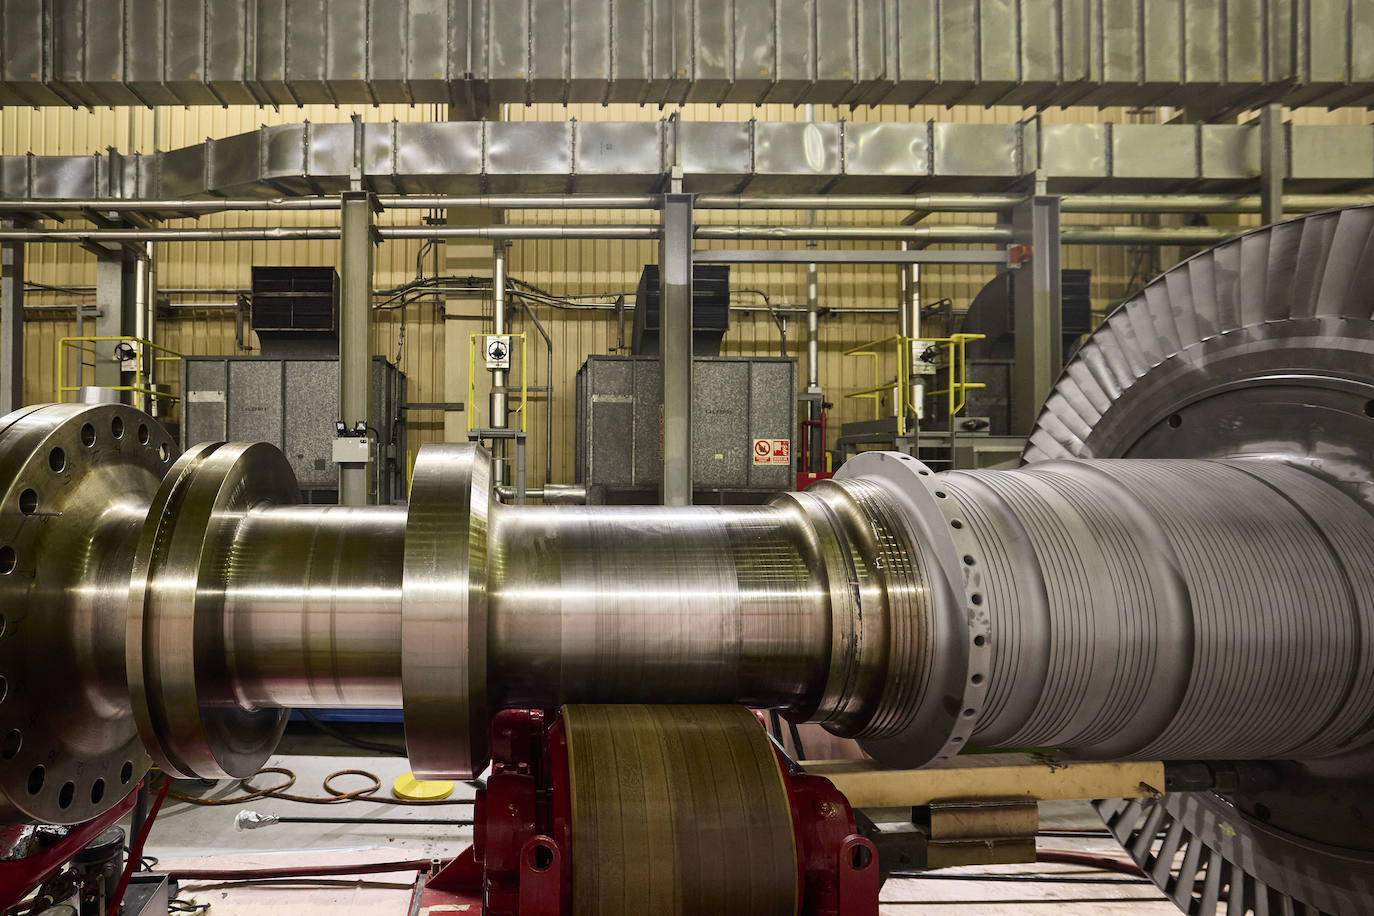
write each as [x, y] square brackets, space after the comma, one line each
[498, 351]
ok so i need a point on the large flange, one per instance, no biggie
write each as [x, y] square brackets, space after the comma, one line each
[939, 639]
[1260, 347]
[174, 648]
[75, 481]
[444, 612]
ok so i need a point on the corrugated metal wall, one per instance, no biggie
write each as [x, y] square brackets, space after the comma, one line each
[565, 268]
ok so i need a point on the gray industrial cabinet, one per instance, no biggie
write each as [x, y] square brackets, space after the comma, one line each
[293, 404]
[737, 402]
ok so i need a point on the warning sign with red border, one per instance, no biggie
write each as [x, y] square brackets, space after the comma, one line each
[772, 451]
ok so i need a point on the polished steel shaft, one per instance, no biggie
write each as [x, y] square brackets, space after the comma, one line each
[1113, 608]
[312, 606]
[1202, 609]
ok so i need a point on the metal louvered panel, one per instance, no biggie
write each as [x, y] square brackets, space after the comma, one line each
[1205, 54]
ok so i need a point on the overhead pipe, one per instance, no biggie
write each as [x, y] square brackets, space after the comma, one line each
[946, 203]
[975, 235]
[1146, 235]
[512, 232]
[522, 202]
[934, 203]
[931, 235]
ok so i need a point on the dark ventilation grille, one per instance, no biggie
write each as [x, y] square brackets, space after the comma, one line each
[710, 309]
[296, 308]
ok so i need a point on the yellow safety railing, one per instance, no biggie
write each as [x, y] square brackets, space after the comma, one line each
[956, 393]
[472, 379]
[146, 354]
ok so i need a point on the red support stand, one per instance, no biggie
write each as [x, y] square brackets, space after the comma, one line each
[18, 876]
[520, 860]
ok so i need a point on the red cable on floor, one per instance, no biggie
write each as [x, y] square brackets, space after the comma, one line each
[298, 871]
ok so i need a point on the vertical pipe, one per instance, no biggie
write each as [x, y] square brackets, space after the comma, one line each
[142, 359]
[12, 323]
[355, 320]
[498, 402]
[675, 346]
[912, 305]
[1273, 163]
[1038, 310]
[813, 326]
[813, 330]
[903, 295]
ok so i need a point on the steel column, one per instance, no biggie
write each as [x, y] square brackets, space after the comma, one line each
[1038, 308]
[11, 324]
[675, 346]
[356, 248]
[116, 271]
[1273, 163]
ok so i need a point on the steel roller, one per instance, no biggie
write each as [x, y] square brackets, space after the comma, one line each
[1141, 589]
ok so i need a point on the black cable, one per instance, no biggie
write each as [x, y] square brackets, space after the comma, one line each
[393, 750]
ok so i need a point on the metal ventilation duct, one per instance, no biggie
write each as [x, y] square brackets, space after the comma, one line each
[1208, 56]
[718, 157]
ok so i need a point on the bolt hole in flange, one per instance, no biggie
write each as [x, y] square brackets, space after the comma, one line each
[126, 772]
[9, 747]
[57, 460]
[1175, 421]
[117, 427]
[1369, 408]
[28, 501]
[143, 434]
[8, 560]
[66, 794]
[87, 435]
[37, 776]
[97, 791]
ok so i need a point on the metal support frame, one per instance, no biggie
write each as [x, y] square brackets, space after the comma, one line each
[1038, 306]
[356, 248]
[1273, 163]
[675, 335]
[11, 323]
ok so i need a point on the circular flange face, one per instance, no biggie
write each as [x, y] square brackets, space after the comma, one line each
[75, 482]
[175, 654]
[956, 645]
[444, 612]
[1260, 347]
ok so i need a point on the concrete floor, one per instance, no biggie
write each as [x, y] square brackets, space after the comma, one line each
[187, 835]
